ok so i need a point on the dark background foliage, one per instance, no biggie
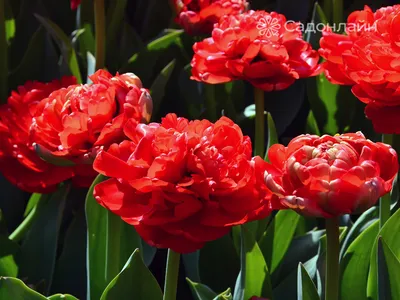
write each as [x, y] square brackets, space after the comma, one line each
[142, 38]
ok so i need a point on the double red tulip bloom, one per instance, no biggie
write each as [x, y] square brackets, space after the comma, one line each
[369, 60]
[66, 124]
[183, 183]
[331, 176]
[256, 46]
[199, 16]
[18, 161]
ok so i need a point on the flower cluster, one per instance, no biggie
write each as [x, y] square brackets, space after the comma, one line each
[66, 123]
[183, 183]
[239, 48]
[368, 60]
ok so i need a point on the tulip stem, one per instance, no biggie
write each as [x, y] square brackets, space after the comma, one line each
[211, 107]
[384, 204]
[26, 224]
[260, 123]
[171, 275]
[100, 31]
[332, 259]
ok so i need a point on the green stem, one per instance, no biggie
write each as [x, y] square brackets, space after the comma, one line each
[171, 275]
[384, 204]
[3, 54]
[260, 123]
[211, 106]
[100, 30]
[337, 11]
[332, 259]
[26, 224]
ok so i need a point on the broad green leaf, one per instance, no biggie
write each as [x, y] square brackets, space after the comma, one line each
[214, 263]
[390, 233]
[388, 272]
[254, 277]
[306, 289]
[272, 135]
[15, 289]
[70, 270]
[84, 37]
[309, 245]
[355, 265]
[276, 240]
[201, 291]
[312, 126]
[227, 295]
[62, 297]
[191, 264]
[115, 16]
[144, 61]
[159, 85]
[361, 224]
[64, 44]
[110, 243]
[136, 280]
[39, 248]
[8, 267]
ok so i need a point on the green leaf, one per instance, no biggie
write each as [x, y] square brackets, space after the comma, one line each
[64, 44]
[388, 272]
[47, 156]
[62, 297]
[254, 277]
[110, 242]
[312, 126]
[33, 200]
[91, 66]
[84, 37]
[157, 89]
[191, 264]
[70, 270]
[8, 267]
[355, 265]
[390, 232]
[361, 224]
[214, 263]
[136, 280]
[272, 135]
[39, 248]
[115, 16]
[276, 240]
[143, 62]
[306, 289]
[309, 245]
[15, 289]
[201, 291]
[226, 295]
[9, 22]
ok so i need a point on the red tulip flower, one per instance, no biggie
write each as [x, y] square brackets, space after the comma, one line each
[370, 64]
[74, 123]
[182, 184]
[75, 4]
[330, 176]
[19, 162]
[199, 16]
[256, 46]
